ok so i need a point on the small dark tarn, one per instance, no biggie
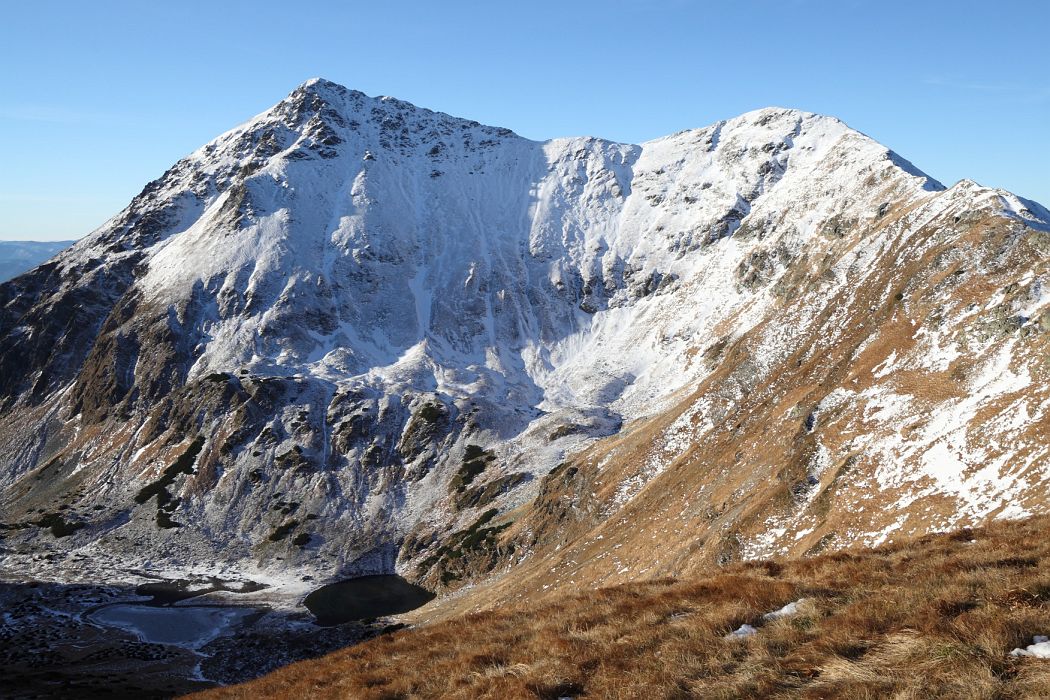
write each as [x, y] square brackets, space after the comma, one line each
[365, 598]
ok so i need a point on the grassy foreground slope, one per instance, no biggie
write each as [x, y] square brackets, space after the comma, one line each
[931, 617]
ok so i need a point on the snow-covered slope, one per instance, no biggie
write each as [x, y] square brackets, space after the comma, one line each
[350, 326]
[503, 248]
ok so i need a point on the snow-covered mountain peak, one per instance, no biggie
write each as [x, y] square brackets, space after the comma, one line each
[319, 83]
[401, 228]
[347, 295]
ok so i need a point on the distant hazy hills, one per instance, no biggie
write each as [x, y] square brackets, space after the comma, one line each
[18, 256]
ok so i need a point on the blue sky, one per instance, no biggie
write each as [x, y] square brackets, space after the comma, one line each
[98, 98]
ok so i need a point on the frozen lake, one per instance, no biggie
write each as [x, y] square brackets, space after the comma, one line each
[190, 626]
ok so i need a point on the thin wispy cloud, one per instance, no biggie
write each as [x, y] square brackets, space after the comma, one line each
[34, 198]
[1037, 93]
[55, 114]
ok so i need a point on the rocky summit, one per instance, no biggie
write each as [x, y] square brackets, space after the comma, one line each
[353, 336]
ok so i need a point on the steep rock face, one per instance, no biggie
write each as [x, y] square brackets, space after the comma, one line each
[352, 329]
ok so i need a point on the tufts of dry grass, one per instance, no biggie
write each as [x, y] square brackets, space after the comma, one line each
[935, 617]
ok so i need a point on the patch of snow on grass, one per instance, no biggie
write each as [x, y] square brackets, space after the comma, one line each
[1039, 648]
[786, 611]
[741, 632]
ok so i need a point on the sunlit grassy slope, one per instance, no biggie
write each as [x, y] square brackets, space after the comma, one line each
[932, 617]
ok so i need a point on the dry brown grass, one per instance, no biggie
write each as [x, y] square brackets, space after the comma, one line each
[935, 617]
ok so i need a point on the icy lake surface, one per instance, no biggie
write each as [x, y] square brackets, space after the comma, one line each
[189, 626]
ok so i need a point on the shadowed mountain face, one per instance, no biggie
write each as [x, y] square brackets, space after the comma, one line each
[353, 336]
[18, 256]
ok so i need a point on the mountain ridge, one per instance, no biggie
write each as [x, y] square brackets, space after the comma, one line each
[379, 334]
